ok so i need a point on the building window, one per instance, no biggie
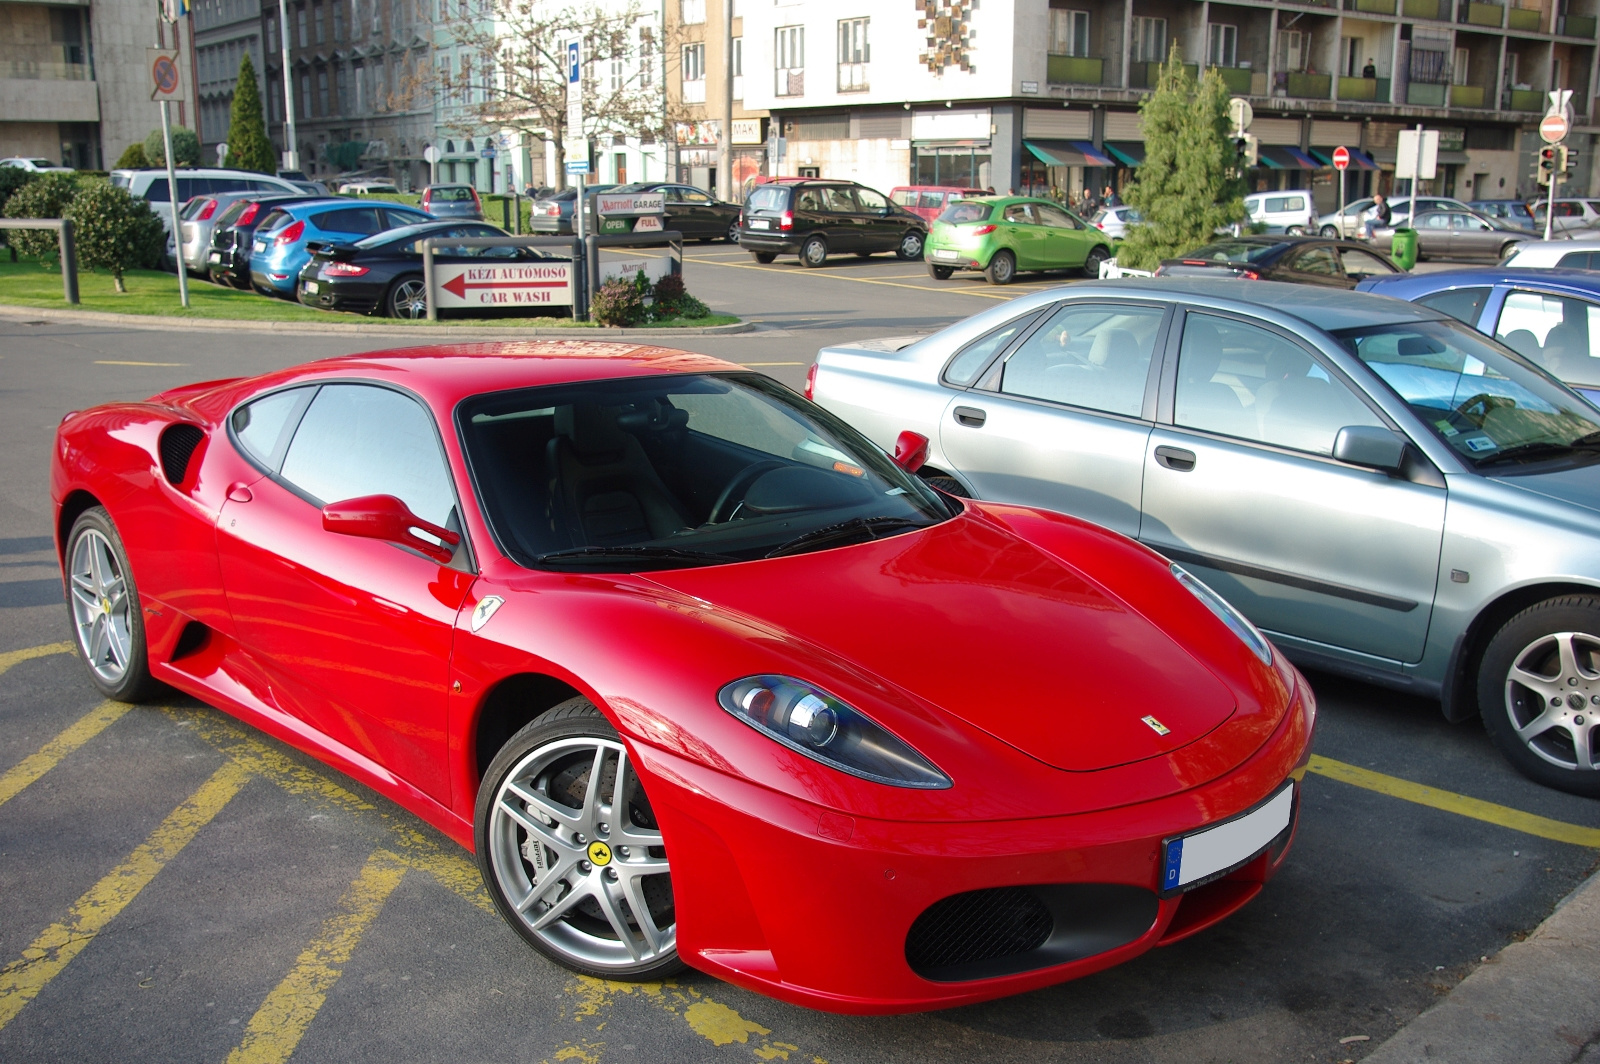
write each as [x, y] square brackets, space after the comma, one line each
[647, 48]
[1223, 49]
[338, 20]
[854, 54]
[790, 53]
[738, 68]
[1294, 47]
[300, 23]
[616, 75]
[694, 73]
[1149, 40]
[444, 79]
[275, 101]
[1069, 32]
[341, 81]
[322, 92]
[692, 12]
[305, 95]
[322, 34]
[1458, 73]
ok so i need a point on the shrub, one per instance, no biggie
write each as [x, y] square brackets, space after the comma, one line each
[669, 290]
[248, 146]
[115, 231]
[46, 196]
[618, 302]
[132, 158]
[185, 147]
[11, 179]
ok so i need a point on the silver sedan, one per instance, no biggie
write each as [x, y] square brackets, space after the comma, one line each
[1385, 491]
[1460, 235]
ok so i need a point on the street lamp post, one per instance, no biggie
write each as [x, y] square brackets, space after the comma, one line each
[291, 153]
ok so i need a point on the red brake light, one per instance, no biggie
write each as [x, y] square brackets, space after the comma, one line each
[249, 214]
[1194, 262]
[1100, 225]
[553, 211]
[811, 381]
[343, 269]
[476, 201]
[427, 197]
[983, 230]
[207, 211]
[290, 234]
[1250, 275]
[787, 221]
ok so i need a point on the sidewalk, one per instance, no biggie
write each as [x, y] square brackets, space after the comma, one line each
[1534, 1002]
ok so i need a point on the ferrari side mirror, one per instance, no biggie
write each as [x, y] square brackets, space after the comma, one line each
[910, 451]
[387, 518]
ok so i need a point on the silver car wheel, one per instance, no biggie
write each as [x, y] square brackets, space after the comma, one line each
[1552, 698]
[587, 880]
[733, 231]
[408, 299]
[100, 606]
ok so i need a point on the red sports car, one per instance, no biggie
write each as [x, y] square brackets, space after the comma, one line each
[697, 673]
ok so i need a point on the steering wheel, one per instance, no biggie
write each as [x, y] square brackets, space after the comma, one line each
[733, 494]
[1484, 402]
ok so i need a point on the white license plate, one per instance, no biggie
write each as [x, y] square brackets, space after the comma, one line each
[945, 253]
[215, 256]
[760, 223]
[311, 288]
[1206, 854]
[260, 246]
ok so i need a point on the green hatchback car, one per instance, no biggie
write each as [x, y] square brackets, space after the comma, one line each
[1004, 234]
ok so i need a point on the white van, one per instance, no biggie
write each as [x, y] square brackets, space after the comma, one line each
[1282, 212]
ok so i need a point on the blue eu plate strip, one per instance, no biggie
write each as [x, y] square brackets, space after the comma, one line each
[1174, 864]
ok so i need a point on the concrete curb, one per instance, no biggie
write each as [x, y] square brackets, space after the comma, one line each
[1534, 1002]
[422, 333]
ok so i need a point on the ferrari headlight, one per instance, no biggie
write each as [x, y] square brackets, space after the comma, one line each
[1225, 612]
[813, 722]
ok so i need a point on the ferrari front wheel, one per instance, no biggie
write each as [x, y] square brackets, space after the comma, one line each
[107, 622]
[570, 849]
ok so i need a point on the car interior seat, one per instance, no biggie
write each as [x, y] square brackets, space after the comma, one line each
[1202, 401]
[603, 489]
[1295, 409]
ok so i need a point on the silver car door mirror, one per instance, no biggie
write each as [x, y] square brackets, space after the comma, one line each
[1371, 446]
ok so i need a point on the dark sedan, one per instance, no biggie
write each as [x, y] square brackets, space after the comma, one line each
[553, 213]
[228, 260]
[1303, 260]
[692, 212]
[383, 274]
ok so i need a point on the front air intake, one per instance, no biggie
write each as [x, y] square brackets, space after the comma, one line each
[178, 443]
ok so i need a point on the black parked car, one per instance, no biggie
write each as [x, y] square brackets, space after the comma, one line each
[382, 274]
[695, 214]
[228, 260]
[1302, 259]
[818, 218]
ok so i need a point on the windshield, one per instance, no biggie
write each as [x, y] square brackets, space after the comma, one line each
[1231, 251]
[965, 211]
[768, 198]
[409, 232]
[1492, 408]
[672, 471]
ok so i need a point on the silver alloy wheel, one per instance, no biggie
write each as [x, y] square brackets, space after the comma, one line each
[733, 231]
[1552, 698]
[911, 246]
[1328, 232]
[100, 606]
[587, 880]
[814, 251]
[409, 300]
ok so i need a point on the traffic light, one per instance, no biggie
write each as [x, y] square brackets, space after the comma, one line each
[1249, 149]
[1566, 159]
[1547, 164]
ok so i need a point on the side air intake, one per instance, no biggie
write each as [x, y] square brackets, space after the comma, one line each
[178, 443]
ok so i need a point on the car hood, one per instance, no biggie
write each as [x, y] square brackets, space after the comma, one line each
[985, 625]
[1579, 486]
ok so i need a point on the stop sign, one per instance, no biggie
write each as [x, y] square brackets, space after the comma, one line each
[1341, 157]
[1553, 128]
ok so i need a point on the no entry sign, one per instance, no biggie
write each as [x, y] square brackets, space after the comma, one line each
[1553, 128]
[1341, 157]
[547, 284]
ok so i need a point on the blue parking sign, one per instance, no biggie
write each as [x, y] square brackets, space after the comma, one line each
[574, 69]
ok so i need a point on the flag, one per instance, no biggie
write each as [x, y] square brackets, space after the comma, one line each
[173, 10]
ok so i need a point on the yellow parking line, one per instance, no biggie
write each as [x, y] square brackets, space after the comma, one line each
[17, 657]
[22, 980]
[115, 362]
[1460, 804]
[842, 277]
[278, 1025]
[49, 756]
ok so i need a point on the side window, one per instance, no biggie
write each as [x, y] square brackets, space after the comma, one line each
[1020, 214]
[871, 200]
[1241, 380]
[357, 439]
[1435, 221]
[904, 197]
[966, 366]
[1363, 264]
[1469, 223]
[272, 221]
[838, 201]
[672, 194]
[1055, 217]
[1087, 355]
[356, 220]
[931, 200]
[263, 427]
[691, 195]
[1462, 304]
[1318, 261]
[393, 219]
[1577, 260]
[809, 199]
[1560, 333]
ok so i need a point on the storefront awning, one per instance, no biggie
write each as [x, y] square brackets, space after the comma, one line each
[1068, 153]
[1282, 157]
[1129, 152]
[1359, 160]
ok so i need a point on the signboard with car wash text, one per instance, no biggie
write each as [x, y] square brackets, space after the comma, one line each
[486, 286]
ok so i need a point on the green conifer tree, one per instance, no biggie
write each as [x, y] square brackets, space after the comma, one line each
[1191, 183]
[248, 146]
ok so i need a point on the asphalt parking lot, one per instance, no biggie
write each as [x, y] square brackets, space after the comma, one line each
[180, 888]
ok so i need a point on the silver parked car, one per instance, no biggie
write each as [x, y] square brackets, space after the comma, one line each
[1385, 491]
[1458, 235]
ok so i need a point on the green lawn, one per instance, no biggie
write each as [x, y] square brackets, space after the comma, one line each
[27, 284]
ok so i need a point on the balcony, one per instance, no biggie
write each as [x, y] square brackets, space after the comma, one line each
[1074, 70]
[1144, 75]
[1435, 9]
[1236, 78]
[1365, 89]
[1308, 86]
[1371, 7]
[43, 70]
[1576, 26]
[1466, 96]
[1477, 14]
[1523, 100]
[1526, 19]
[1422, 94]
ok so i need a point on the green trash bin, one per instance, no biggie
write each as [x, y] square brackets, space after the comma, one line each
[1403, 249]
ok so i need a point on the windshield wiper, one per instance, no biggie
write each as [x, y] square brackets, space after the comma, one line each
[1532, 452]
[855, 528]
[648, 554]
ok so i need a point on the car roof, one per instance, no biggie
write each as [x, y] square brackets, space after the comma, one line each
[1329, 309]
[1584, 282]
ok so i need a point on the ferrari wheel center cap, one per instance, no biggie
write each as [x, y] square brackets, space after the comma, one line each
[105, 605]
[599, 853]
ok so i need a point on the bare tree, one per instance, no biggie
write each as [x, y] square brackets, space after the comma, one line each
[512, 71]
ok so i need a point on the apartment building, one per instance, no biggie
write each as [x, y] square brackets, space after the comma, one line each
[225, 31]
[1042, 95]
[74, 80]
[697, 56]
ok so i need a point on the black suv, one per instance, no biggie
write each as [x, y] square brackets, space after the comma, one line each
[816, 218]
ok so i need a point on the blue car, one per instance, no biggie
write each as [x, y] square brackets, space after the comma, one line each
[1550, 316]
[279, 251]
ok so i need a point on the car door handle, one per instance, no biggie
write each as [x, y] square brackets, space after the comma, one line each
[239, 492]
[970, 416]
[1175, 458]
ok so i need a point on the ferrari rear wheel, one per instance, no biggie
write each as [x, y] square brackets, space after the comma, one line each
[570, 849]
[107, 622]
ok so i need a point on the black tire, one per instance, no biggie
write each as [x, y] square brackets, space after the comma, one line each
[764, 257]
[733, 232]
[574, 719]
[133, 682]
[1002, 269]
[404, 299]
[863, 255]
[940, 273]
[814, 252]
[910, 247]
[1295, 230]
[1509, 247]
[948, 485]
[1091, 263]
[1567, 697]
[1328, 232]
